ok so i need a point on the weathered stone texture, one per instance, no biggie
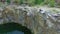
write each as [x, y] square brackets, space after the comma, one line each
[29, 17]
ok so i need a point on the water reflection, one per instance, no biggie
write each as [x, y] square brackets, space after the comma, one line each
[15, 32]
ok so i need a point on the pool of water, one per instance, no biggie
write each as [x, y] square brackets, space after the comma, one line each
[13, 28]
[14, 32]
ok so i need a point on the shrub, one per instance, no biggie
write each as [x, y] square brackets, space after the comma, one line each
[52, 3]
[38, 1]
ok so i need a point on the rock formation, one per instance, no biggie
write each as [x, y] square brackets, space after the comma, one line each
[37, 20]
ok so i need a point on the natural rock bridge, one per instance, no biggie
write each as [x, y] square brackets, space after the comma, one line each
[37, 20]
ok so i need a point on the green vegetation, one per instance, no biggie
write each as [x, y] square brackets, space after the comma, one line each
[52, 3]
[36, 2]
[8, 1]
[21, 1]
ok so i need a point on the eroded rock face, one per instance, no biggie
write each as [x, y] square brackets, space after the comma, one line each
[32, 18]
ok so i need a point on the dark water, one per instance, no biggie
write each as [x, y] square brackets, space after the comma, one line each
[13, 28]
[15, 32]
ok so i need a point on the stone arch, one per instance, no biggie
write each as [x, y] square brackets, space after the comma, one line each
[7, 27]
